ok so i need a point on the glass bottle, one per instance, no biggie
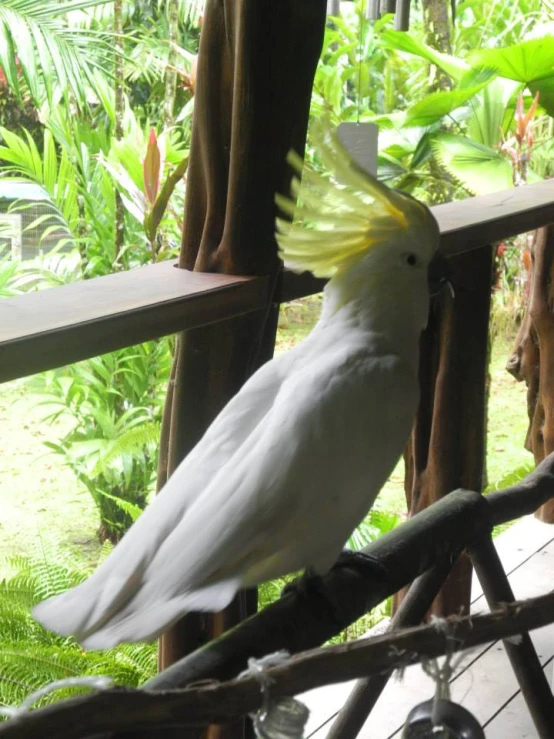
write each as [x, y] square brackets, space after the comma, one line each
[284, 719]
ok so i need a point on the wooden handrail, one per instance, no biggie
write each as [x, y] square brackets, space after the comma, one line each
[475, 222]
[55, 327]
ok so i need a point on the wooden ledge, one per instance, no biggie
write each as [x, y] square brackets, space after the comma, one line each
[55, 327]
[61, 325]
[475, 222]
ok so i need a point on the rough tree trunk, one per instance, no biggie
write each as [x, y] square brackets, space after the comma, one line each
[170, 81]
[447, 447]
[437, 34]
[119, 106]
[532, 357]
[255, 75]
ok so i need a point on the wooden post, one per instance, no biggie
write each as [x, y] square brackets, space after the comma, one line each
[532, 357]
[447, 447]
[256, 65]
[367, 691]
[527, 667]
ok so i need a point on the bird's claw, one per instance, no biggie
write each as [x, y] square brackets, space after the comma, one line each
[304, 585]
[364, 563]
[310, 584]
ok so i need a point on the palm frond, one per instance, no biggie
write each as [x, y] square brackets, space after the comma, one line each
[39, 50]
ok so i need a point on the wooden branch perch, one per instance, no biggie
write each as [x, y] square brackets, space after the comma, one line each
[525, 497]
[436, 534]
[222, 702]
[298, 622]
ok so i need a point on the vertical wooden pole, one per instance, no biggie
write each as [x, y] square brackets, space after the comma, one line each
[532, 357]
[523, 657]
[367, 691]
[447, 447]
[256, 65]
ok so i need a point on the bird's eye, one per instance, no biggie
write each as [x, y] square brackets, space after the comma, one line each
[411, 260]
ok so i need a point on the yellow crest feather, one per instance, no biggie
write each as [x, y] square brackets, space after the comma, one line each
[337, 218]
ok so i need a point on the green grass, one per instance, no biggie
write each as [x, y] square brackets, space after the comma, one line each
[507, 422]
[42, 501]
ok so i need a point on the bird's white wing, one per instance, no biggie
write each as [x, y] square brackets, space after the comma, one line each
[288, 497]
[121, 574]
[300, 488]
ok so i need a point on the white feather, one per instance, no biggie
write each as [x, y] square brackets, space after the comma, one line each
[285, 472]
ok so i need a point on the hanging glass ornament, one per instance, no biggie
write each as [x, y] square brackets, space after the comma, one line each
[284, 718]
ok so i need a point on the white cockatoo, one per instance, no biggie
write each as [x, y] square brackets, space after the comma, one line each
[295, 460]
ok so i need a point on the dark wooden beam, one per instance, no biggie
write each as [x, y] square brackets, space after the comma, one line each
[298, 622]
[199, 704]
[256, 67]
[436, 534]
[55, 327]
[447, 446]
[475, 222]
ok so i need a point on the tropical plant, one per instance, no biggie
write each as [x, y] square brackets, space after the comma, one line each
[152, 189]
[8, 271]
[482, 131]
[368, 72]
[113, 402]
[113, 407]
[486, 23]
[466, 128]
[30, 656]
[43, 58]
[157, 43]
[81, 167]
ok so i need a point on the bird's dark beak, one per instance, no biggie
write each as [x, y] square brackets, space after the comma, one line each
[438, 274]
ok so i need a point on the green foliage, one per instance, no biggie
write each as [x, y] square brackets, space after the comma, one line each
[437, 105]
[523, 62]
[8, 272]
[481, 23]
[467, 125]
[42, 56]
[408, 43]
[378, 521]
[512, 478]
[478, 168]
[113, 404]
[31, 657]
[489, 111]
[449, 143]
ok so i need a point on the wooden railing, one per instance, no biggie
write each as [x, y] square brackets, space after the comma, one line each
[55, 327]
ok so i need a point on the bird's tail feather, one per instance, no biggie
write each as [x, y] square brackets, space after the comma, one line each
[71, 614]
[90, 604]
